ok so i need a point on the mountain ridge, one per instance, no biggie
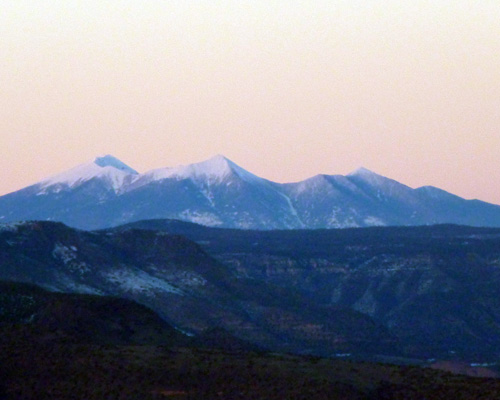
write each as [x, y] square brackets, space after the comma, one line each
[183, 284]
[217, 192]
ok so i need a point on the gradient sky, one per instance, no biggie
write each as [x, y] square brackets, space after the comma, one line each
[286, 89]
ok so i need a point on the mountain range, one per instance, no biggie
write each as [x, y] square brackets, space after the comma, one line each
[217, 192]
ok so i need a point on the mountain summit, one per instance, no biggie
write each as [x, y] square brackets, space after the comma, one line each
[217, 192]
[110, 161]
[108, 169]
[214, 170]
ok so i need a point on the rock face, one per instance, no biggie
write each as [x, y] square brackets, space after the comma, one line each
[188, 288]
[435, 288]
[217, 192]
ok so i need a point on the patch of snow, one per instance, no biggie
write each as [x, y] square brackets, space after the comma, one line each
[140, 281]
[207, 219]
[374, 221]
[178, 278]
[292, 209]
[207, 193]
[65, 254]
[483, 364]
[68, 284]
[184, 332]
[84, 289]
[340, 221]
[11, 226]
[69, 257]
[187, 279]
[365, 173]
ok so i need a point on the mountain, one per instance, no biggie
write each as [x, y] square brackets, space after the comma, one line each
[110, 172]
[185, 286]
[217, 192]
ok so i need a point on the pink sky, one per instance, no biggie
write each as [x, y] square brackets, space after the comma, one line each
[286, 89]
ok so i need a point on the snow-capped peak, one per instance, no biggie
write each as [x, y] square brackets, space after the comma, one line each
[108, 169]
[215, 169]
[368, 176]
[219, 167]
[110, 161]
[382, 185]
[362, 171]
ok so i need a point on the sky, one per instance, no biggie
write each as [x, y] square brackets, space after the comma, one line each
[285, 89]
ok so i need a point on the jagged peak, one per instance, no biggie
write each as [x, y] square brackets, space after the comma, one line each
[107, 168]
[110, 161]
[217, 166]
[368, 176]
[380, 182]
[362, 171]
[214, 169]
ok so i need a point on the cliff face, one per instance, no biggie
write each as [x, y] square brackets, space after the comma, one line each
[435, 288]
[428, 292]
[439, 301]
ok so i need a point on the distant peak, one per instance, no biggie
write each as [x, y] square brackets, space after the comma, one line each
[218, 166]
[105, 168]
[218, 158]
[368, 176]
[110, 161]
[362, 171]
[215, 169]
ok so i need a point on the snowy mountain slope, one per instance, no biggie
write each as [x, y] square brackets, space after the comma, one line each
[113, 173]
[217, 192]
[212, 171]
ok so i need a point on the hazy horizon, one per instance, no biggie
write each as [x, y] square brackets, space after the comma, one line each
[286, 90]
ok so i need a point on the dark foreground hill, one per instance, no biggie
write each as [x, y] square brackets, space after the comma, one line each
[32, 370]
[60, 346]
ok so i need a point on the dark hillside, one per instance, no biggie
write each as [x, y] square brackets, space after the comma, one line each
[186, 286]
[81, 318]
[436, 288]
